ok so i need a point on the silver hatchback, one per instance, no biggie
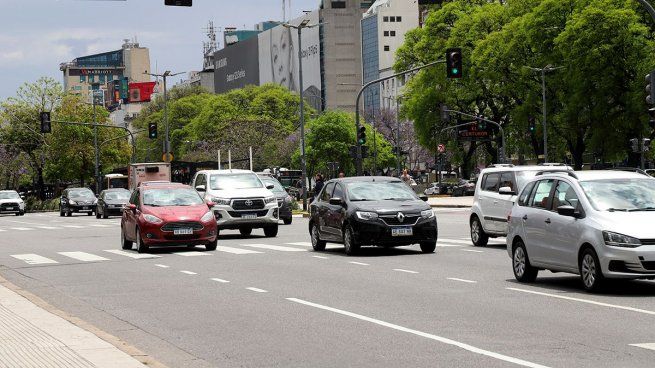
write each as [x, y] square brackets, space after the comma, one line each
[598, 224]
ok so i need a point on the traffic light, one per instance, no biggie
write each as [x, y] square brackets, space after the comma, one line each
[634, 144]
[445, 114]
[454, 63]
[177, 2]
[361, 135]
[152, 130]
[650, 88]
[651, 118]
[532, 126]
[645, 144]
[45, 122]
[482, 125]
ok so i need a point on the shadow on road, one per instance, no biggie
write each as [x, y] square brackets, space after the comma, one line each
[573, 284]
[374, 252]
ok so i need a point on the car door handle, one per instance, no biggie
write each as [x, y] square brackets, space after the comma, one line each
[495, 202]
[547, 221]
[525, 217]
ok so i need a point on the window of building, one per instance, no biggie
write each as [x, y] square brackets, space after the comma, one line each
[338, 4]
[101, 78]
[399, 19]
[386, 33]
[392, 33]
[392, 19]
[385, 19]
[92, 78]
[386, 48]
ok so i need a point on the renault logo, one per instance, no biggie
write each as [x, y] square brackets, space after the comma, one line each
[400, 217]
[248, 203]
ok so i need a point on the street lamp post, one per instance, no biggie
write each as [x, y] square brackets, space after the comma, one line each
[547, 68]
[166, 143]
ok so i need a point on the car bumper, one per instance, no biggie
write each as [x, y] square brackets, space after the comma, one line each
[378, 233]
[81, 208]
[112, 210]
[152, 235]
[13, 209]
[227, 218]
[628, 263]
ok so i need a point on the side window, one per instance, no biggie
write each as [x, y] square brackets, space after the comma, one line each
[201, 179]
[565, 195]
[338, 191]
[507, 180]
[327, 192]
[541, 194]
[137, 198]
[525, 194]
[133, 197]
[490, 182]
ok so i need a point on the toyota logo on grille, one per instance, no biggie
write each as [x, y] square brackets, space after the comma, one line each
[400, 217]
[248, 203]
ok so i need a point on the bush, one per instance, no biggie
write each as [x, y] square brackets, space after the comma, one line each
[33, 204]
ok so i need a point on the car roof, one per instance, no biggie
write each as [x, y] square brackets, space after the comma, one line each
[504, 168]
[589, 175]
[226, 172]
[166, 186]
[8, 190]
[359, 179]
[115, 190]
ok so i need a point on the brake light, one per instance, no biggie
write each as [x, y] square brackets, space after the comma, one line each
[509, 217]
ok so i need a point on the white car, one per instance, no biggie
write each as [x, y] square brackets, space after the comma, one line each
[241, 200]
[598, 224]
[11, 202]
[495, 193]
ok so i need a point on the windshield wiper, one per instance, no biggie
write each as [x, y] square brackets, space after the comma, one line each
[618, 209]
[396, 199]
[360, 200]
[642, 209]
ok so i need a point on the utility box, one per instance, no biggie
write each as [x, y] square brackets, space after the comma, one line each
[139, 173]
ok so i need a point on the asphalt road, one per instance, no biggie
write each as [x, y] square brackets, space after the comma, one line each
[273, 302]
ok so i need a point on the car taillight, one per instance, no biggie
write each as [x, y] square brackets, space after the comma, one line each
[509, 217]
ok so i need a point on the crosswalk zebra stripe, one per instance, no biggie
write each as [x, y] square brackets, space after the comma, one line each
[274, 247]
[83, 256]
[34, 259]
[131, 255]
[302, 244]
[236, 250]
[21, 228]
[192, 254]
[48, 227]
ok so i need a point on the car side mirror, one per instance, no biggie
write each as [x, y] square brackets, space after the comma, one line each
[22, 197]
[131, 207]
[201, 188]
[270, 186]
[566, 211]
[336, 201]
[210, 204]
[424, 198]
[506, 191]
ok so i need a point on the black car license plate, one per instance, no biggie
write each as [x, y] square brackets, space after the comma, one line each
[402, 231]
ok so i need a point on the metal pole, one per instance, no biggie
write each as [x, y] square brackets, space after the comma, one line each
[398, 145]
[229, 159]
[219, 159]
[501, 150]
[250, 155]
[543, 97]
[166, 143]
[303, 162]
[95, 144]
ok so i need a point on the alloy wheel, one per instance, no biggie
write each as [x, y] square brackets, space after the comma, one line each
[588, 270]
[475, 231]
[519, 261]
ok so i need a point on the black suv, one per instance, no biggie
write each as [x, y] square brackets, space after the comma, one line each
[80, 200]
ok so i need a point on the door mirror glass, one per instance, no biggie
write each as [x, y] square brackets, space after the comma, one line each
[506, 191]
[566, 211]
[200, 188]
[424, 198]
[270, 186]
[336, 201]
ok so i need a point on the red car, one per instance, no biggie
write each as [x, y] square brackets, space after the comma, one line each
[167, 214]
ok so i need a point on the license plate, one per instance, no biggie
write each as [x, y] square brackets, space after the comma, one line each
[85, 208]
[401, 231]
[188, 231]
[249, 216]
[11, 208]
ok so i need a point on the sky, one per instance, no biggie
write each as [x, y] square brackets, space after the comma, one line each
[37, 35]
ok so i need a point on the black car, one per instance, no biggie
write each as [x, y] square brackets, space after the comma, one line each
[283, 198]
[111, 202]
[77, 200]
[464, 188]
[371, 210]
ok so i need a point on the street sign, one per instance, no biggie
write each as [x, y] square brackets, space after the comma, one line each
[473, 132]
[441, 148]
[167, 157]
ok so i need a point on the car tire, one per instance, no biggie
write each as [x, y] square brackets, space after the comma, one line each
[140, 246]
[90, 213]
[428, 246]
[245, 231]
[270, 231]
[349, 242]
[523, 270]
[105, 215]
[317, 243]
[61, 212]
[478, 236]
[211, 245]
[288, 221]
[125, 244]
[590, 271]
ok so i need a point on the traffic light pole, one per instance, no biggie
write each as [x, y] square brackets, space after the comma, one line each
[501, 151]
[358, 160]
[95, 146]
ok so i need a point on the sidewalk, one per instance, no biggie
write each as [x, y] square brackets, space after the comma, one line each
[30, 336]
[451, 202]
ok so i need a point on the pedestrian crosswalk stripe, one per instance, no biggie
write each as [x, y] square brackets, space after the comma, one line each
[2, 230]
[274, 247]
[189, 272]
[21, 228]
[236, 250]
[132, 255]
[456, 241]
[34, 259]
[192, 254]
[302, 244]
[448, 245]
[220, 280]
[100, 225]
[84, 257]
[73, 226]
[48, 227]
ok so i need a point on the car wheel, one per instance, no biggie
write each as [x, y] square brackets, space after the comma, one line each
[590, 272]
[270, 231]
[523, 271]
[349, 242]
[288, 221]
[428, 246]
[125, 244]
[140, 246]
[105, 215]
[317, 243]
[61, 212]
[89, 213]
[245, 231]
[478, 236]
[22, 213]
[211, 245]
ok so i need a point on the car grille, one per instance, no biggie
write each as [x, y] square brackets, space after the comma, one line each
[392, 220]
[4, 206]
[171, 226]
[647, 241]
[238, 214]
[242, 204]
[649, 265]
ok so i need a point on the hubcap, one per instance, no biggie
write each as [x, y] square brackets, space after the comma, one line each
[314, 236]
[475, 231]
[519, 261]
[588, 270]
[346, 239]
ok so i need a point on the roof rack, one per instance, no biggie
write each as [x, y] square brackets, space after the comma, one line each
[500, 165]
[631, 169]
[569, 172]
[552, 164]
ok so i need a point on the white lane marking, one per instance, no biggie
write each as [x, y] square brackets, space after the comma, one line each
[235, 250]
[73, 226]
[302, 244]
[359, 263]
[21, 228]
[321, 257]
[192, 254]
[2, 230]
[48, 227]
[131, 255]
[462, 280]
[444, 340]
[401, 270]
[189, 272]
[257, 290]
[649, 346]
[449, 245]
[162, 266]
[83, 256]
[33, 259]
[472, 250]
[456, 241]
[644, 311]
[220, 280]
[99, 225]
[274, 247]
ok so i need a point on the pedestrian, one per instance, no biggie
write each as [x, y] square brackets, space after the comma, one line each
[319, 184]
[342, 174]
[406, 178]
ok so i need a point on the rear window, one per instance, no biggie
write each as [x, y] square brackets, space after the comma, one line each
[490, 182]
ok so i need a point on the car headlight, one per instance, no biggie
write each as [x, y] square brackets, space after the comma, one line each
[221, 201]
[270, 200]
[152, 219]
[366, 215]
[620, 240]
[207, 217]
[427, 214]
[72, 202]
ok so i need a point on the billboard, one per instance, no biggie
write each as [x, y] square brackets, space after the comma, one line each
[141, 91]
[278, 58]
[236, 66]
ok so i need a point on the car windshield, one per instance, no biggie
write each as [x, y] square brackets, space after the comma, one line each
[620, 194]
[171, 197]
[9, 195]
[81, 193]
[380, 191]
[235, 181]
[117, 196]
[277, 187]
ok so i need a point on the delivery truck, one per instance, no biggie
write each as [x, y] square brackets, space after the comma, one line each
[139, 173]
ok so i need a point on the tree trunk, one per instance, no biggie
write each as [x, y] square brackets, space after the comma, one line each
[40, 183]
[577, 150]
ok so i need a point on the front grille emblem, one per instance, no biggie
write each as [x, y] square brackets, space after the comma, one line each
[401, 217]
[248, 203]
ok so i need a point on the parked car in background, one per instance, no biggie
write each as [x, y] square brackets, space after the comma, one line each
[433, 189]
[77, 200]
[11, 202]
[464, 188]
[167, 215]
[370, 210]
[111, 202]
[284, 200]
